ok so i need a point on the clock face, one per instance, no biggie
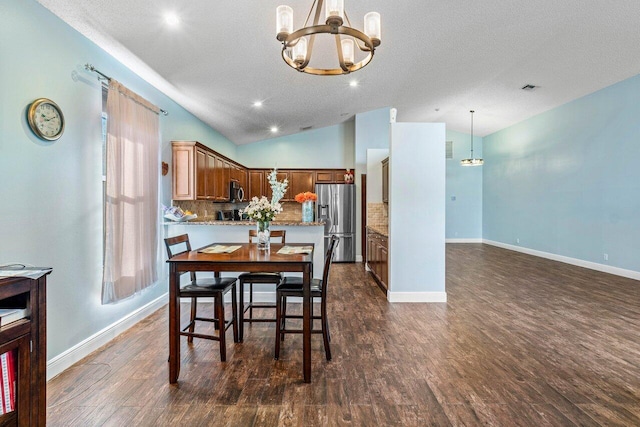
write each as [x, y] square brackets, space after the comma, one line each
[45, 119]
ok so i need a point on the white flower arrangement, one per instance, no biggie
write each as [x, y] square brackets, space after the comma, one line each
[278, 189]
[262, 210]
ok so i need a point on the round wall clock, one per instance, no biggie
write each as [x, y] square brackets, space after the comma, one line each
[46, 119]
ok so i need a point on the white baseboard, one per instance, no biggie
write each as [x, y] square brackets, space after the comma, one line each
[631, 274]
[359, 258]
[416, 296]
[76, 353]
[478, 240]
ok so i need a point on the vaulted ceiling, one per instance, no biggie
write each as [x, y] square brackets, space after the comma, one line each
[437, 60]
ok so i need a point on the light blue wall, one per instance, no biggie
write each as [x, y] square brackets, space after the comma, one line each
[417, 224]
[464, 184]
[567, 181]
[52, 192]
[329, 147]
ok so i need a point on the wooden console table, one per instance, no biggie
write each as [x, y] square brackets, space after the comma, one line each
[28, 339]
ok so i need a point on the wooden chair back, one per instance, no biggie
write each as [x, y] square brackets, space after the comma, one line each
[328, 260]
[177, 240]
[274, 233]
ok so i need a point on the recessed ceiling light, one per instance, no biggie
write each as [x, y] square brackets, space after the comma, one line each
[257, 104]
[353, 83]
[274, 129]
[172, 19]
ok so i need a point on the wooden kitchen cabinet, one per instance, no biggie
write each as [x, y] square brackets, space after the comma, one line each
[256, 184]
[385, 180]
[378, 258]
[330, 176]
[191, 179]
[301, 181]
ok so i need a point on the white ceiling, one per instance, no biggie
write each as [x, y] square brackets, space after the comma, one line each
[437, 60]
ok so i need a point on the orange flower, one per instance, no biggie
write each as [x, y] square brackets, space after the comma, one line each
[305, 197]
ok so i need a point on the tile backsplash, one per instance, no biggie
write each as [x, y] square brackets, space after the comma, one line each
[378, 214]
[291, 211]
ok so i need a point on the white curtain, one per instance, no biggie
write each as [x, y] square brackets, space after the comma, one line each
[131, 240]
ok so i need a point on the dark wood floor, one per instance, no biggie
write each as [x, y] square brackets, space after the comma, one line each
[522, 341]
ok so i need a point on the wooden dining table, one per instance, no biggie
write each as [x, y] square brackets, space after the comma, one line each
[246, 258]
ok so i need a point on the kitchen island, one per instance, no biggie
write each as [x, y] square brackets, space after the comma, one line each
[205, 231]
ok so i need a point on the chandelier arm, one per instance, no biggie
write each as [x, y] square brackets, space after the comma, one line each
[327, 29]
[316, 18]
[347, 18]
[340, 55]
[307, 58]
[325, 71]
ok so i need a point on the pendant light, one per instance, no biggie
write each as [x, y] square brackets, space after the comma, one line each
[472, 161]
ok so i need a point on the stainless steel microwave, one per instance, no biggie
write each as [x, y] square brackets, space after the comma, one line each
[236, 193]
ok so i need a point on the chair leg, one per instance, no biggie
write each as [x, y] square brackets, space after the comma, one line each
[241, 311]
[279, 315]
[251, 301]
[192, 325]
[221, 334]
[284, 316]
[234, 315]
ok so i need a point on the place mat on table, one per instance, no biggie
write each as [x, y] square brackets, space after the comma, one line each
[289, 250]
[219, 249]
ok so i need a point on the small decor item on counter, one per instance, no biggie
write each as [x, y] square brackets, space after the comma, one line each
[307, 199]
[263, 212]
[348, 177]
[174, 213]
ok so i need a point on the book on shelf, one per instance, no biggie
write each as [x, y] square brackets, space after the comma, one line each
[9, 315]
[7, 382]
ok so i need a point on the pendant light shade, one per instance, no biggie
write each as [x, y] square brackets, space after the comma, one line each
[472, 161]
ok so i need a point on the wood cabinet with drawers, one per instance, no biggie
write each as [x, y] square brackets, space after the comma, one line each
[378, 258]
[26, 339]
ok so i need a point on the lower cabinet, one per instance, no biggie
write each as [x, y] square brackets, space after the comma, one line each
[378, 258]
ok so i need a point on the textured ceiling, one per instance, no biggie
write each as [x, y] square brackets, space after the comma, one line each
[438, 59]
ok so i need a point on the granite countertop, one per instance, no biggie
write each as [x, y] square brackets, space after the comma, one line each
[380, 229]
[207, 221]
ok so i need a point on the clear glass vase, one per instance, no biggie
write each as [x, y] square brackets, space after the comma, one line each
[263, 235]
[307, 211]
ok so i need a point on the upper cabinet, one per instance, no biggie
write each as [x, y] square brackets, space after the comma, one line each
[301, 181]
[385, 180]
[330, 176]
[256, 183]
[200, 173]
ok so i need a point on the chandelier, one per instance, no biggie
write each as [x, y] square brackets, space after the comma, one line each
[472, 161]
[297, 46]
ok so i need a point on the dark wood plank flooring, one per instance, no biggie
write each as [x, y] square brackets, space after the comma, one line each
[523, 341]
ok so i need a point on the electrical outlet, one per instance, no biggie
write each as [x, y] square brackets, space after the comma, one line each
[518, 240]
[606, 257]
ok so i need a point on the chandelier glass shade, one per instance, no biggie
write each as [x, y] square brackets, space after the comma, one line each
[472, 161]
[297, 46]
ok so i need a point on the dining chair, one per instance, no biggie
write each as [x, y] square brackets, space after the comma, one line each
[215, 287]
[292, 287]
[261, 278]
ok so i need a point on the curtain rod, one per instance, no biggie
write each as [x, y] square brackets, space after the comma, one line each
[90, 67]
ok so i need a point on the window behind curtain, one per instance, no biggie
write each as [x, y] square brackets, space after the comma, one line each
[131, 194]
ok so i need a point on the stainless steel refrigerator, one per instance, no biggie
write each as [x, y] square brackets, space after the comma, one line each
[336, 206]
